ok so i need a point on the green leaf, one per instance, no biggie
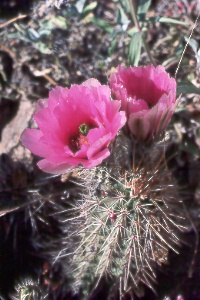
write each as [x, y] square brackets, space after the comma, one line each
[32, 34]
[42, 47]
[126, 5]
[169, 60]
[187, 88]
[170, 20]
[135, 48]
[103, 24]
[113, 46]
[143, 8]
[54, 22]
[131, 31]
[192, 43]
[122, 18]
[90, 7]
[59, 21]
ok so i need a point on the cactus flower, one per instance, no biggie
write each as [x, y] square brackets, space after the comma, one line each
[148, 96]
[76, 126]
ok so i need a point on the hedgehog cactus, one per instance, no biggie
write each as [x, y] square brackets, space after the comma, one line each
[28, 290]
[129, 215]
[128, 220]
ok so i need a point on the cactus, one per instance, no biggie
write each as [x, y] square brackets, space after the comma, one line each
[128, 218]
[28, 289]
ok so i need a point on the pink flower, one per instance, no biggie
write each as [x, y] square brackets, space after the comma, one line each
[76, 127]
[148, 96]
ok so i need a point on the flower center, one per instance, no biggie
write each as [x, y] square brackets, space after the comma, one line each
[80, 138]
[83, 129]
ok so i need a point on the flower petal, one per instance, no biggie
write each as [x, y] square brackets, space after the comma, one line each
[148, 96]
[31, 139]
[97, 159]
[56, 169]
[59, 140]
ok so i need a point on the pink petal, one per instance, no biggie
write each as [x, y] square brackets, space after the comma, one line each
[42, 103]
[147, 83]
[98, 144]
[118, 122]
[91, 82]
[97, 159]
[134, 105]
[31, 139]
[51, 168]
[139, 125]
[46, 120]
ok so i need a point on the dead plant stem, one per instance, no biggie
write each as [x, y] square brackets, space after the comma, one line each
[12, 20]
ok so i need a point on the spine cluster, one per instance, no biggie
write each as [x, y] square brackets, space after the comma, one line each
[127, 221]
